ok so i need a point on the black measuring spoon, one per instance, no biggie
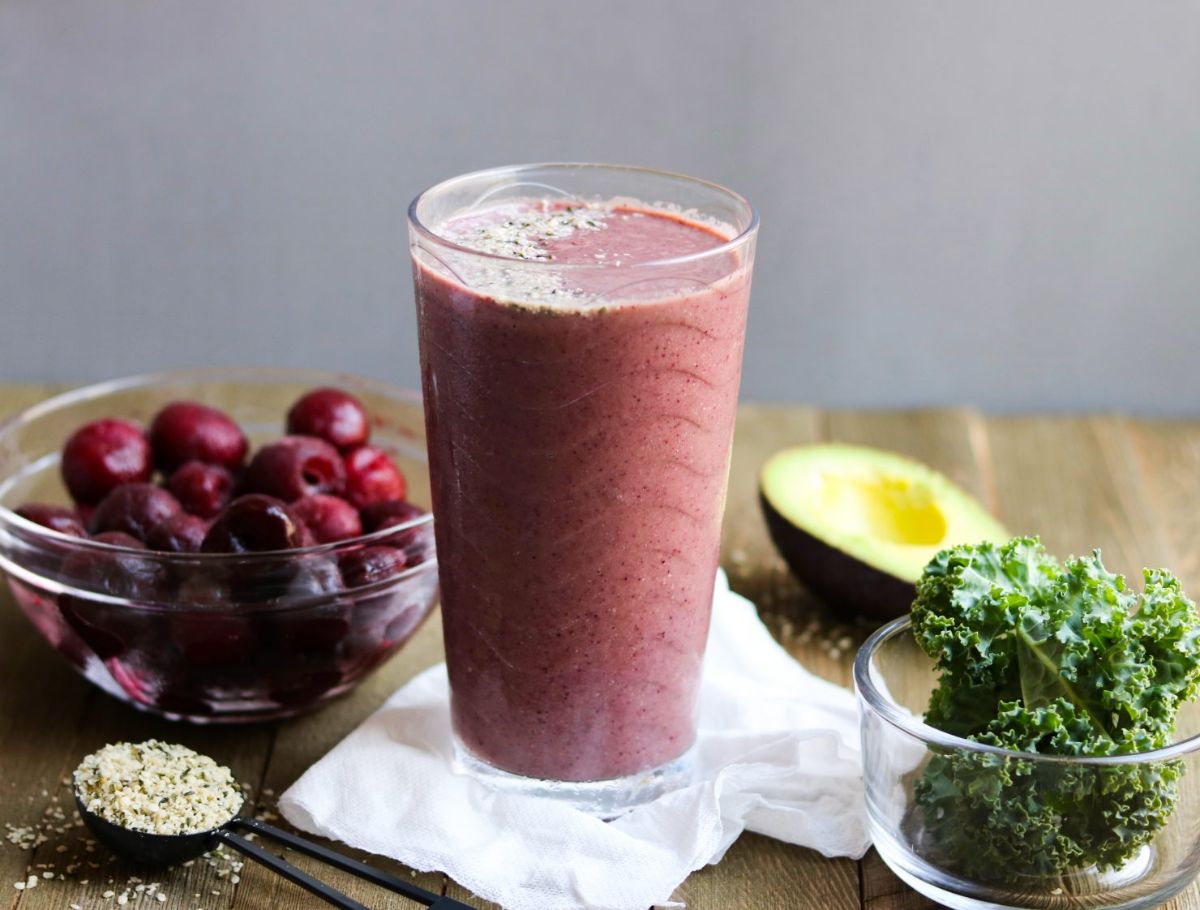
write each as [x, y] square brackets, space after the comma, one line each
[168, 849]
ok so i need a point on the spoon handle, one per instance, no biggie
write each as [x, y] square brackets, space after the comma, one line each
[288, 871]
[354, 867]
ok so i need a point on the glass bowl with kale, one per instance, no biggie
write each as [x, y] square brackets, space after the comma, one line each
[1030, 733]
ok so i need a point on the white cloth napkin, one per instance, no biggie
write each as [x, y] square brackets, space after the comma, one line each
[778, 753]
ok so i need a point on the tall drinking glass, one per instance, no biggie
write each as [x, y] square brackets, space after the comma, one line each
[581, 333]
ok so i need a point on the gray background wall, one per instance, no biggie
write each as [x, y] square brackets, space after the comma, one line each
[967, 201]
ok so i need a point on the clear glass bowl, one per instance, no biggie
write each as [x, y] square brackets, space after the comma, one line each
[968, 825]
[213, 637]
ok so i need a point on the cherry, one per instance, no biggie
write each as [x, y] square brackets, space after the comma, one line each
[418, 545]
[119, 539]
[117, 574]
[56, 518]
[319, 631]
[286, 579]
[186, 431]
[371, 564]
[102, 455]
[330, 518]
[211, 638]
[331, 414]
[294, 467]
[204, 588]
[135, 509]
[96, 624]
[181, 533]
[315, 579]
[372, 477]
[416, 542]
[389, 514]
[105, 627]
[202, 489]
[404, 623]
[254, 524]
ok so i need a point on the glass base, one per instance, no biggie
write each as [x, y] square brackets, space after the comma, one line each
[1133, 886]
[606, 799]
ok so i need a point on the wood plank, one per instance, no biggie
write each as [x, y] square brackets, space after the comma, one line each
[760, 872]
[41, 697]
[881, 890]
[1077, 483]
[1167, 455]
[458, 892]
[42, 702]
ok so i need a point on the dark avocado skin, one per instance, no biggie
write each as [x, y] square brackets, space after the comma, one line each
[846, 584]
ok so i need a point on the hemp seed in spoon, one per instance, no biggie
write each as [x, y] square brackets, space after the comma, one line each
[157, 788]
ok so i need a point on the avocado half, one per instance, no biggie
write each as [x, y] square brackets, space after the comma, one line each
[858, 525]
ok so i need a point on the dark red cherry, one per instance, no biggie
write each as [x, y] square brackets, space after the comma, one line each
[294, 467]
[114, 572]
[104, 630]
[372, 477]
[135, 509]
[204, 586]
[316, 578]
[102, 455]
[181, 533]
[329, 518]
[313, 630]
[212, 638]
[186, 431]
[371, 564]
[107, 628]
[388, 514]
[202, 489]
[254, 524]
[119, 539]
[286, 578]
[335, 416]
[56, 518]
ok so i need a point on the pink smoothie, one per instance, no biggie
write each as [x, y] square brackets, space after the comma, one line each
[579, 424]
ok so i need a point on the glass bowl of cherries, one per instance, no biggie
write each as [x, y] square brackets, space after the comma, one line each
[221, 545]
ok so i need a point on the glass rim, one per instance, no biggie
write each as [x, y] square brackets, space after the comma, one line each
[91, 391]
[915, 727]
[740, 239]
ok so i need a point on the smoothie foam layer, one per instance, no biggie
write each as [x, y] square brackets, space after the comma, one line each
[579, 455]
[571, 254]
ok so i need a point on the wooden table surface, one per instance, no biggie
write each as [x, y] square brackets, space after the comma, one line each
[1130, 487]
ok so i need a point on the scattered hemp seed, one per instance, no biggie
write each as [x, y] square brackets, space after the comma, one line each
[158, 788]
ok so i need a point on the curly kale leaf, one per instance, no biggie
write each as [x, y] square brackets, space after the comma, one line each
[1054, 659]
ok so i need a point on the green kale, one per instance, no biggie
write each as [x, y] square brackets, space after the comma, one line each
[1039, 657]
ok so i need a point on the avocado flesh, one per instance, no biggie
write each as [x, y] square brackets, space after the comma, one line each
[858, 525]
